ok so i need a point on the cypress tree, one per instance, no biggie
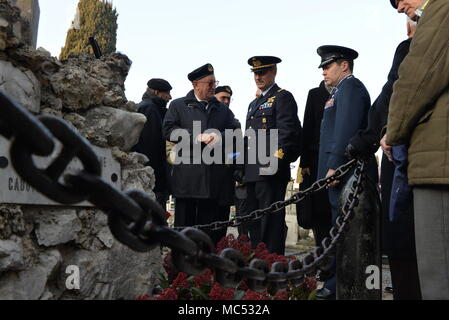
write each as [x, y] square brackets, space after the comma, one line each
[94, 18]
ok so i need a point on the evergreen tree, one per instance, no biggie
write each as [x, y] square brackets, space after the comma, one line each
[94, 18]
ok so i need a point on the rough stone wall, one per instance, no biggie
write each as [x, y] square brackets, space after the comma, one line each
[30, 12]
[38, 243]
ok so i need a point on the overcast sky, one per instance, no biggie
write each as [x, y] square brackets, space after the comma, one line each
[168, 39]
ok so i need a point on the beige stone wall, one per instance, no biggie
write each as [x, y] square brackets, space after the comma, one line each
[38, 243]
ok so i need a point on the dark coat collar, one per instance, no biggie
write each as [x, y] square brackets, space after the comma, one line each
[154, 102]
[190, 99]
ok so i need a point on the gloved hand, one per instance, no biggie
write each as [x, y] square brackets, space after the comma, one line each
[359, 148]
[351, 152]
[355, 152]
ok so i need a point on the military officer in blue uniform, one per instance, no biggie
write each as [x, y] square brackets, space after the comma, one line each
[275, 108]
[345, 113]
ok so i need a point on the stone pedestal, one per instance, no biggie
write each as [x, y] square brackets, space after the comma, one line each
[360, 250]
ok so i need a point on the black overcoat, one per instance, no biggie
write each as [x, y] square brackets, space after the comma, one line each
[151, 141]
[192, 180]
[398, 237]
[368, 140]
[314, 211]
[312, 123]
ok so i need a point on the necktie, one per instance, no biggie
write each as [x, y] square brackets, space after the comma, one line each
[203, 105]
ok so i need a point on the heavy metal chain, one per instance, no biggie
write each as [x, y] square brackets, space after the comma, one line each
[278, 206]
[137, 221]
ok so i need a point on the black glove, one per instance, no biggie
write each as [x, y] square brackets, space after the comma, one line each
[356, 152]
[361, 147]
[351, 152]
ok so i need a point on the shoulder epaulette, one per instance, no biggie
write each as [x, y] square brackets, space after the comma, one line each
[280, 90]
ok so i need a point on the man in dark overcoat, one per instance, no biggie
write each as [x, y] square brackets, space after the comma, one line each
[151, 141]
[274, 111]
[314, 212]
[398, 236]
[188, 123]
[345, 113]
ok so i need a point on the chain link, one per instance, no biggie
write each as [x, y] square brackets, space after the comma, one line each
[137, 221]
[277, 206]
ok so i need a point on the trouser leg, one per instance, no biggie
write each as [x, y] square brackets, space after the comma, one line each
[432, 240]
[319, 233]
[274, 228]
[223, 215]
[405, 279]
[242, 210]
[254, 227]
[322, 216]
[334, 199]
[208, 213]
[185, 212]
[162, 198]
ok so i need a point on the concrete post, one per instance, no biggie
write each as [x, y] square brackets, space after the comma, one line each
[359, 265]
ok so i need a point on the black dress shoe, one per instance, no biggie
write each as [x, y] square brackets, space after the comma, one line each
[325, 294]
[324, 276]
[389, 289]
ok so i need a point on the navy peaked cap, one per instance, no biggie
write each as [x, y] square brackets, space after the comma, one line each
[201, 72]
[331, 54]
[263, 62]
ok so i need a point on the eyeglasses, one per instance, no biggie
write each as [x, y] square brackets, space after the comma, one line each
[210, 83]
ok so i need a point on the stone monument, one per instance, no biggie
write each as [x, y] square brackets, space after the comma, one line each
[44, 246]
[30, 12]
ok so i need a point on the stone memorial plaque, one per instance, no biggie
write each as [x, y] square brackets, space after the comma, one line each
[16, 191]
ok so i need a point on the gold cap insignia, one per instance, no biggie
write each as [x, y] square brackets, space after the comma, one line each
[257, 63]
[210, 68]
[280, 154]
